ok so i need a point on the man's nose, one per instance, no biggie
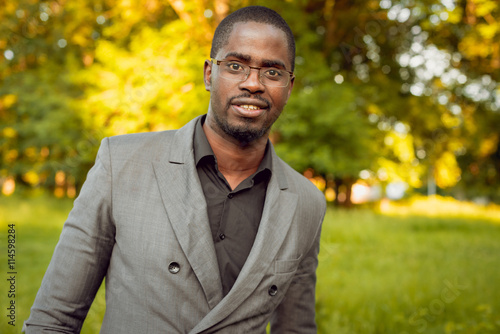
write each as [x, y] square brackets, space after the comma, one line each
[252, 83]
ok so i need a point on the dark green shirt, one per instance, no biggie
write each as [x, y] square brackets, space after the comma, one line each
[234, 215]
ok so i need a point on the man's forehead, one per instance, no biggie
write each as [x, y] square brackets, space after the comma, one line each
[256, 42]
[252, 29]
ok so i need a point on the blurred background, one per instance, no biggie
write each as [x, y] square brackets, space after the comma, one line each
[395, 116]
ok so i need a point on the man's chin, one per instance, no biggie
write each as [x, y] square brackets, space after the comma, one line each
[245, 135]
[244, 130]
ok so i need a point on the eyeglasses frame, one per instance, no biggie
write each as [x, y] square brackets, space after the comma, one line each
[258, 68]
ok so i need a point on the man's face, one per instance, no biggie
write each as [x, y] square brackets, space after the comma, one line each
[246, 110]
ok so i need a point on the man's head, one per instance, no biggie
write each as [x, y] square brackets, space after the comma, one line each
[244, 108]
[252, 14]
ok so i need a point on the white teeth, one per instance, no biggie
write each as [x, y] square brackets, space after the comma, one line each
[249, 107]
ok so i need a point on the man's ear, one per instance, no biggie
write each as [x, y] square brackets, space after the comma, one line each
[207, 75]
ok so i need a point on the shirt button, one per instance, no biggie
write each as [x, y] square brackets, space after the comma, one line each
[273, 290]
[222, 236]
[230, 196]
[174, 267]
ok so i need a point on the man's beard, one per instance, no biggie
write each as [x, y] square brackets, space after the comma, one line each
[243, 133]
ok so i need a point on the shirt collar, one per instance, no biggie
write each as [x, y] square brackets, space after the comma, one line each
[201, 145]
[203, 149]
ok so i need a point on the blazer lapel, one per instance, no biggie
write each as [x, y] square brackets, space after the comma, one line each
[276, 219]
[186, 207]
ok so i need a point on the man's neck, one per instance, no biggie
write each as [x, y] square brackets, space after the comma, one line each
[235, 161]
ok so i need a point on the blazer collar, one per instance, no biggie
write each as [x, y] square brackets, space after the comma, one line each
[181, 151]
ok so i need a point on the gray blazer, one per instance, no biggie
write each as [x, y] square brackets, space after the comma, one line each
[141, 222]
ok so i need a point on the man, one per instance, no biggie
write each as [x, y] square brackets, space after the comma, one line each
[203, 229]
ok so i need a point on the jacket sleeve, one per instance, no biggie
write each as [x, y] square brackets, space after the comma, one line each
[81, 257]
[296, 313]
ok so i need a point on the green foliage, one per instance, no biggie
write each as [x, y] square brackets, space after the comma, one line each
[322, 128]
[366, 72]
[42, 127]
[153, 86]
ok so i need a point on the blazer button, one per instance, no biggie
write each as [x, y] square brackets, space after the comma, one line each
[174, 267]
[273, 290]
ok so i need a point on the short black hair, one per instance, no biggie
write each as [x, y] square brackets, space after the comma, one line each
[257, 14]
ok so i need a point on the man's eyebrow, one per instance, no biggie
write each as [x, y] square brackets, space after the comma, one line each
[239, 56]
[248, 59]
[273, 63]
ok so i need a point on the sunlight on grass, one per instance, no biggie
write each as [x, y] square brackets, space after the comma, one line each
[37, 210]
[439, 206]
[408, 274]
[412, 270]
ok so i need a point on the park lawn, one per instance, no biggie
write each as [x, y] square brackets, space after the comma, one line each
[377, 274]
[408, 274]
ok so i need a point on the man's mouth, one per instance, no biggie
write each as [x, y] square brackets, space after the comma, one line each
[248, 110]
[249, 107]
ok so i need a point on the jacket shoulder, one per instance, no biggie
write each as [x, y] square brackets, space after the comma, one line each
[139, 146]
[140, 140]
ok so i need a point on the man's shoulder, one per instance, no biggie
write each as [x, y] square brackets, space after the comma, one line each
[143, 146]
[154, 142]
[141, 138]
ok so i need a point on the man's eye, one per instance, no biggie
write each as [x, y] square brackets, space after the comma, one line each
[235, 67]
[272, 72]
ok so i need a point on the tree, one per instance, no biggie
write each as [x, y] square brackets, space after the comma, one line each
[398, 90]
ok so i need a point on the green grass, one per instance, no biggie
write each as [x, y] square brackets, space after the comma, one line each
[377, 274]
[381, 274]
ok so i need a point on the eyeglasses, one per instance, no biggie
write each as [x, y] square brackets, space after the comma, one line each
[268, 76]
